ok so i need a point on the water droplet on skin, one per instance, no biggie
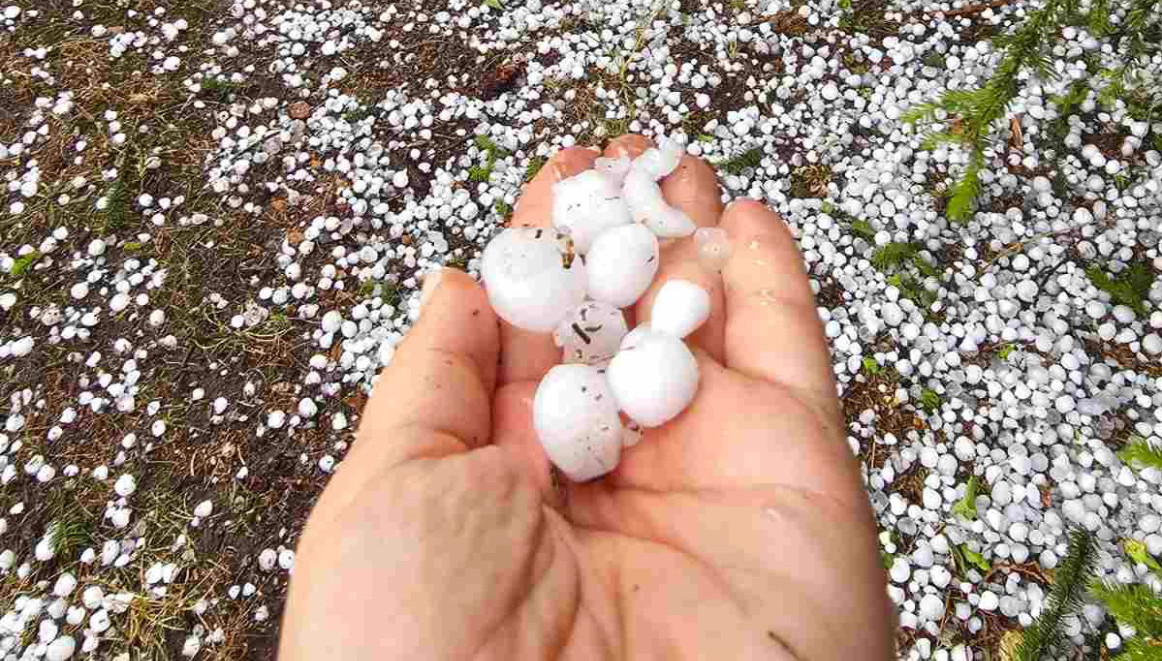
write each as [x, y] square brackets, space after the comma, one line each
[713, 248]
[767, 297]
[753, 245]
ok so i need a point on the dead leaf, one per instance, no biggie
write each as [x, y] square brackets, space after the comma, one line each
[1017, 139]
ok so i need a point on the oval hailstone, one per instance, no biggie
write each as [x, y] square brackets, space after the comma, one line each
[532, 277]
[679, 308]
[621, 264]
[654, 376]
[644, 197]
[575, 416]
[591, 333]
[585, 205]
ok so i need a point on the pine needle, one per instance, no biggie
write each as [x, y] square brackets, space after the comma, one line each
[1135, 605]
[1139, 453]
[1046, 634]
[1131, 287]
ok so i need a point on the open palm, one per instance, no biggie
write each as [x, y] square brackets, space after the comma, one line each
[738, 530]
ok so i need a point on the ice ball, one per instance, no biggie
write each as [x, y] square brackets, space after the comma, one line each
[591, 333]
[585, 205]
[679, 308]
[654, 376]
[533, 278]
[576, 420]
[621, 264]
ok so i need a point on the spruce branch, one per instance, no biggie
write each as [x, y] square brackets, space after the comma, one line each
[1046, 634]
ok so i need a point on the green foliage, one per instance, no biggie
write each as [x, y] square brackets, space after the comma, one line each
[494, 4]
[704, 138]
[21, 264]
[1046, 635]
[220, 88]
[979, 109]
[930, 401]
[1006, 350]
[132, 246]
[966, 506]
[966, 557]
[871, 366]
[750, 158]
[534, 166]
[1131, 287]
[910, 288]
[893, 255]
[503, 209]
[1135, 605]
[863, 230]
[1138, 452]
[115, 212]
[492, 153]
[1141, 555]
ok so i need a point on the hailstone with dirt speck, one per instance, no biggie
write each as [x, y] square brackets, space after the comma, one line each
[585, 205]
[576, 419]
[533, 277]
[679, 308]
[591, 333]
[621, 264]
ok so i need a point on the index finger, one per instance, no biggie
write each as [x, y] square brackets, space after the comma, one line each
[773, 330]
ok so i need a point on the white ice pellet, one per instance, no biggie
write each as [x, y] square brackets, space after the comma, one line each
[590, 333]
[585, 205]
[532, 277]
[654, 376]
[621, 264]
[679, 308]
[576, 420]
[614, 169]
[644, 197]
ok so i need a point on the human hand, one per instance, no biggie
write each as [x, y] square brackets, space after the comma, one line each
[738, 530]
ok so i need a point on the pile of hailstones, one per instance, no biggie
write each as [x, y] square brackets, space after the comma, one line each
[573, 280]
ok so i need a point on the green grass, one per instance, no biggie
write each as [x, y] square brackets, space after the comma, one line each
[534, 166]
[492, 153]
[965, 558]
[1131, 287]
[503, 209]
[894, 255]
[1139, 453]
[863, 230]
[871, 366]
[1006, 350]
[739, 163]
[116, 214]
[220, 89]
[22, 264]
[929, 400]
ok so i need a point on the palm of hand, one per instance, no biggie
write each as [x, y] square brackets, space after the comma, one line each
[738, 530]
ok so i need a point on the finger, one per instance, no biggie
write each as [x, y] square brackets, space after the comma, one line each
[773, 331]
[434, 398]
[693, 188]
[526, 356]
[630, 144]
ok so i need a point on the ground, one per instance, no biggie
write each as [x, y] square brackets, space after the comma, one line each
[216, 212]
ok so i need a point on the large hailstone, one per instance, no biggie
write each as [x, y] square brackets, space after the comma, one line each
[576, 419]
[654, 376]
[679, 308]
[587, 204]
[591, 333]
[621, 264]
[533, 278]
[614, 169]
[643, 195]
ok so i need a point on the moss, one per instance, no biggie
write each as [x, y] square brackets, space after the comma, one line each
[739, 163]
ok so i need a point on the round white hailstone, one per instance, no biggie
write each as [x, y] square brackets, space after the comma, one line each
[157, 428]
[96, 248]
[61, 649]
[713, 248]
[267, 559]
[532, 278]
[679, 308]
[156, 318]
[125, 485]
[585, 205]
[614, 169]
[591, 333]
[275, 419]
[575, 416]
[286, 559]
[931, 607]
[44, 550]
[308, 408]
[7, 559]
[191, 646]
[79, 290]
[654, 377]
[65, 585]
[1152, 344]
[204, 509]
[622, 263]
[989, 601]
[332, 321]
[400, 179]
[7, 300]
[339, 421]
[119, 302]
